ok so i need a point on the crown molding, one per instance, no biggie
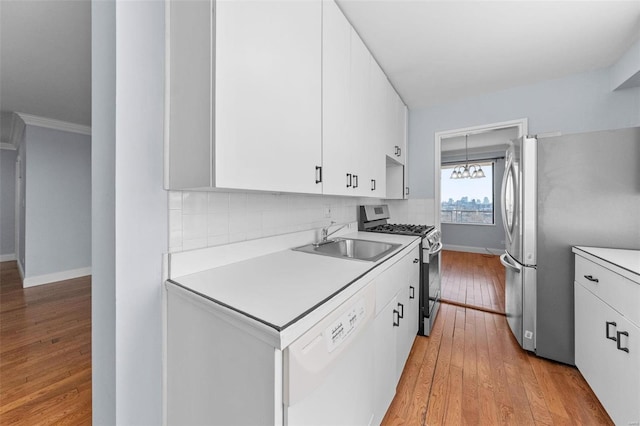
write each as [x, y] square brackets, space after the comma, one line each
[49, 123]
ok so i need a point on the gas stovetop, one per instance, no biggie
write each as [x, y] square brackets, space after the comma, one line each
[402, 229]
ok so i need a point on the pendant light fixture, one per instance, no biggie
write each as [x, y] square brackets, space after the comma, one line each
[473, 171]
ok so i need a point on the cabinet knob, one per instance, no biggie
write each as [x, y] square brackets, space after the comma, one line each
[396, 314]
[355, 181]
[318, 174]
[619, 342]
[406, 190]
[607, 324]
[349, 182]
[416, 260]
[591, 278]
[412, 293]
[373, 184]
[401, 306]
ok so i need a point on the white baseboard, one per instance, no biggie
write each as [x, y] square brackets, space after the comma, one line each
[56, 276]
[482, 250]
[7, 257]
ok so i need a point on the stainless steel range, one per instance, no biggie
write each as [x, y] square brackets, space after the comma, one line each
[375, 219]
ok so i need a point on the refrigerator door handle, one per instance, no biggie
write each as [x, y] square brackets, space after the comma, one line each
[503, 196]
[509, 265]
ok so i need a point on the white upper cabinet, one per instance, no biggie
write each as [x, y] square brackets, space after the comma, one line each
[396, 121]
[276, 96]
[338, 149]
[268, 95]
[244, 111]
[353, 158]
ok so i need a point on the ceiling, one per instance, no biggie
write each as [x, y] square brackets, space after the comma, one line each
[432, 51]
[440, 51]
[45, 58]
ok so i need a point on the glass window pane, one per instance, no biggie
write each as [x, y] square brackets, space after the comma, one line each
[468, 201]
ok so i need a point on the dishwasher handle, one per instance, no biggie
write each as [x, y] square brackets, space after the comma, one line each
[509, 265]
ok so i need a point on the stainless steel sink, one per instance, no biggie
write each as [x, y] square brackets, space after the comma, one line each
[347, 248]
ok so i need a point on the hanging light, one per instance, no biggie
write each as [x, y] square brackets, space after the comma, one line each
[473, 171]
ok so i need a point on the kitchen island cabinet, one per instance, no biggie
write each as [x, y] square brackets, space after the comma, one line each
[282, 332]
[607, 318]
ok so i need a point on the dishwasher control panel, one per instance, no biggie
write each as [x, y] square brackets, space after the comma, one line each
[344, 326]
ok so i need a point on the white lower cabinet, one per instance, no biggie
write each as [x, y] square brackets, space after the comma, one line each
[396, 327]
[343, 370]
[385, 359]
[607, 351]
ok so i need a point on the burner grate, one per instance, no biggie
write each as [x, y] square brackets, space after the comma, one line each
[404, 229]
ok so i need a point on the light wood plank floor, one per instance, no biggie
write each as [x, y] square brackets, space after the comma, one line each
[472, 371]
[45, 351]
[472, 279]
[469, 371]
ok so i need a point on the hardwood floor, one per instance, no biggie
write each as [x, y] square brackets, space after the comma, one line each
[472, 279]
[45, 351]
[472, 371]
[469, 371]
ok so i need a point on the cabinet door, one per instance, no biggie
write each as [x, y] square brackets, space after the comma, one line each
[409, 307]
[188, 114]
[337, 151]
[404, 340]
[414, 293]
[400, 128]
[268, 95]
[374, 150]
[612, 373]
[358, 106]
[384, 358]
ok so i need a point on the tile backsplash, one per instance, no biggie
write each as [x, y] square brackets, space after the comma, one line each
[205, 219]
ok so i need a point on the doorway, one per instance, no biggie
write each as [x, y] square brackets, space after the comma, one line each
[468, 212]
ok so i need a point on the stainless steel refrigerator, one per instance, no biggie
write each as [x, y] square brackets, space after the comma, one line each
[557, 192]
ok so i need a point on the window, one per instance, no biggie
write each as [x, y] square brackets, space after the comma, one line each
[468, 201]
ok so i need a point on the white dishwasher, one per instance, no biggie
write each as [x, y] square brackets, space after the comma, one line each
[328, 371]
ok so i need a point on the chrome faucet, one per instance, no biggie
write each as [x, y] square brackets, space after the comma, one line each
[325, 234]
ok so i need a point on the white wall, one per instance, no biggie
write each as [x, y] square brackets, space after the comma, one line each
[103, 238]
[58, 203]
[130, 211]
[7, 203]
[577, 103]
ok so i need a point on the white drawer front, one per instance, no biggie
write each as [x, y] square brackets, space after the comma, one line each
[617, 291]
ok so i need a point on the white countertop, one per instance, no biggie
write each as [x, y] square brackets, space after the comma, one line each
[278, 289]
[624, 262]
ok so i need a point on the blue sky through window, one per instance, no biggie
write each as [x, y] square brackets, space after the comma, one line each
[472, 188]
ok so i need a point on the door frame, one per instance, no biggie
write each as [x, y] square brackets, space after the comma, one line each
[521, 124]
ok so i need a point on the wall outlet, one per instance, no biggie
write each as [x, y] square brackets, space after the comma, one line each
[327, 211]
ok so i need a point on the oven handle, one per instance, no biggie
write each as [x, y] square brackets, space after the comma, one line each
[437, 250]
[507, 264]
